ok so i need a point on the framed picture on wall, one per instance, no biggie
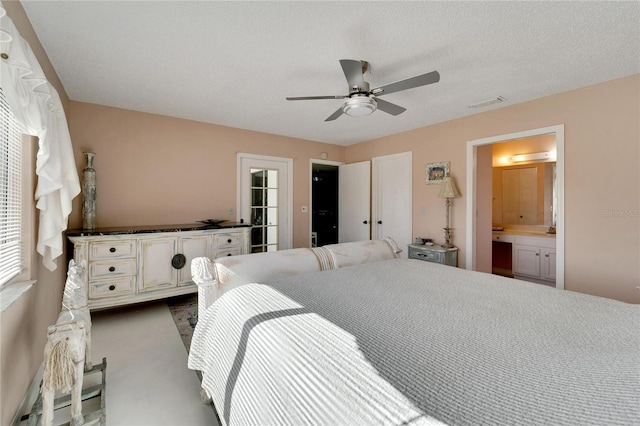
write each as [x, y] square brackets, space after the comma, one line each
[436, 172]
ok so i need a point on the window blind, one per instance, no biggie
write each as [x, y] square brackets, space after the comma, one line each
[10, 194]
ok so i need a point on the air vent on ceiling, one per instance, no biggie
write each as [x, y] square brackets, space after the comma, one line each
[488, 102]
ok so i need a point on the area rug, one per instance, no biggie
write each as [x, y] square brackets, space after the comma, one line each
[184, 310]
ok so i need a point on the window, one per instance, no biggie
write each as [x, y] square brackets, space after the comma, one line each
[11, 218]
[264, 210]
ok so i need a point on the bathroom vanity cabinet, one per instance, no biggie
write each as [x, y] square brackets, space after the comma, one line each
[533, 257]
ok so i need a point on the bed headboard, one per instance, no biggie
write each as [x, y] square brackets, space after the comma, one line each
[223, 274]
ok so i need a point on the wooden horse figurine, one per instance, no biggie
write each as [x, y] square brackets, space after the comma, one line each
[75, 304]
[67, 353]
[64, 369]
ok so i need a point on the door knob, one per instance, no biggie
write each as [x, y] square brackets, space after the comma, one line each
[365, 222]
[379, 222]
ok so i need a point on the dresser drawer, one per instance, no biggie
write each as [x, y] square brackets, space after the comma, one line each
[115, 249]
[505, 238]
[430, 256]
[109, 288]
[225, 240]
[435, 253]
[227, 252]
[112, 268]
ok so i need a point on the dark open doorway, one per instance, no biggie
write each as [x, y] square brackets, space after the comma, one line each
[324, 202]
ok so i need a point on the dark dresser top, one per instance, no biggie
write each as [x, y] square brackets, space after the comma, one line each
[118, 230]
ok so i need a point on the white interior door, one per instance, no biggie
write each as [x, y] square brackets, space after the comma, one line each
[265, 199]
[354, 202]
[392, 198]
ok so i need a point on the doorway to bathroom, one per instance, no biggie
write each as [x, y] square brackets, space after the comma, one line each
[480, 209]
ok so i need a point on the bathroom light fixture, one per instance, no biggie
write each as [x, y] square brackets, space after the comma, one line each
[448, 191]
[518, 158]
[488, 102]
[359, 106]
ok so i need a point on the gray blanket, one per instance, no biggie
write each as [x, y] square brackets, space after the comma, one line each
[440, 343]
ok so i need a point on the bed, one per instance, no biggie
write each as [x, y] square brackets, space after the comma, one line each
[404, 341]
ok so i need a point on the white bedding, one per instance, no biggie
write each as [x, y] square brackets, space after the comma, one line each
[411, 342]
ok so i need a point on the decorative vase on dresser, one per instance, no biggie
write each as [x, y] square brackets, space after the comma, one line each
[89, 193]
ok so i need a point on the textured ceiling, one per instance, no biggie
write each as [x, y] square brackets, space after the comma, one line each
[233, 63]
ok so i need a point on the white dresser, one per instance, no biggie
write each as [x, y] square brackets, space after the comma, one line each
[138, 264]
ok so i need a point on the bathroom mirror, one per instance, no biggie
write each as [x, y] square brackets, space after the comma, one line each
[525, 194]
[524, 182]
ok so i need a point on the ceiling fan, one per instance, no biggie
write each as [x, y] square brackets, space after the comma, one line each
[361, 101]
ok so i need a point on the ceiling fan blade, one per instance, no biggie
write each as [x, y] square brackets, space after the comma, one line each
[389, 108]
[335, 115]
[307, 98]
[353, 71]
[409, 83]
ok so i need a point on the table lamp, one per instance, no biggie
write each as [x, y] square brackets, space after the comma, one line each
[448, 191]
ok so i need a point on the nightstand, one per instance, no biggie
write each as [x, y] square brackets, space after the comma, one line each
[434, 253]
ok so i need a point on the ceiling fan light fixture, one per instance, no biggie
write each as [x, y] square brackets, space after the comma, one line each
[359, 106]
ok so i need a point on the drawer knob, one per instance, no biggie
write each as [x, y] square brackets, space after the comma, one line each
[112, 268]
[112, 287]
[178, 261]
[228, 254]
[112, 249]
[229, 240]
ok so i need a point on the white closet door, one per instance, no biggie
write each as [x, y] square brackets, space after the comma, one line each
[392, 198]
[354, 200]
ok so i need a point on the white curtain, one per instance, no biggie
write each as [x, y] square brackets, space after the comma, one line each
[36, 104]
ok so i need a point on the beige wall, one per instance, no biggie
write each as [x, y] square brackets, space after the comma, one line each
[23, 326]
[153, 169]
[602, 177]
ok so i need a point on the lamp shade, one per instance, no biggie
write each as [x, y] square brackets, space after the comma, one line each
[448, 188]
